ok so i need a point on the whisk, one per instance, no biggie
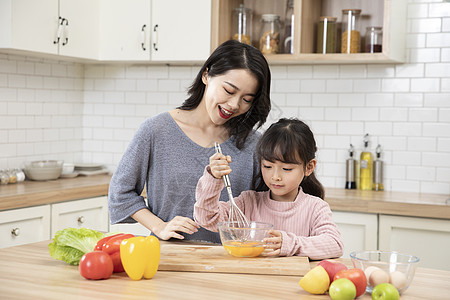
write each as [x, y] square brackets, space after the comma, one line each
[235, 215]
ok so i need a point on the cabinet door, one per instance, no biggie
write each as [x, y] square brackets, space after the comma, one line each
[135, 228]
[80, 36]
[88, 213]
[428, 239]
[125, 30]
[359, 231]
[24, 225]
[181, 30]
[29, 25]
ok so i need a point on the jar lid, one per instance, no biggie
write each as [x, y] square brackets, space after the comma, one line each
[354, 11]
[270, 17]
[331, 19]
[242, 9]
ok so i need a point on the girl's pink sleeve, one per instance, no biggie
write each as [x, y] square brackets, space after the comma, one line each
[208, 210]
[323, 242]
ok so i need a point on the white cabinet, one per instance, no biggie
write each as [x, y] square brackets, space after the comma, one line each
[88, 213]
[24, 225]
[429, 239]
[30, 25]
[134, 228]
[359, 231]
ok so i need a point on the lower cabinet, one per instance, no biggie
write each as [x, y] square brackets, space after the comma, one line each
[134, 228]
[428, 239]
[359, 231]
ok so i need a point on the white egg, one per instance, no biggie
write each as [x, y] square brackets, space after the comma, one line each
[377, 277]
[398, 279]
[369, 271]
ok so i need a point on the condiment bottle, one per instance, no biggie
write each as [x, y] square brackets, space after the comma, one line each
[350, 182]
[378, 171]
[242, 20]
[374, 39]
[289, 27]
[351, 36]
[269, 37]
[326, 35]
[365, 166]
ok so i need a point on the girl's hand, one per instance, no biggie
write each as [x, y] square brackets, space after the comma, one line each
[219, 165]
[273, 243]
[167, 230]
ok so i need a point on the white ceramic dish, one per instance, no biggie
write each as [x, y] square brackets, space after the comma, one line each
[43, 169]
[70, 175]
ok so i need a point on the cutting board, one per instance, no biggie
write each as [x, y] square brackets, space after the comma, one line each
[214, 258]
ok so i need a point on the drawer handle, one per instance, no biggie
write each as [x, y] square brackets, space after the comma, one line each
[15, 231]
[81, 220]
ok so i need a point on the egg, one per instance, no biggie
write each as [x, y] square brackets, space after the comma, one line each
[369, 271]
[377, 277]
[398, 279]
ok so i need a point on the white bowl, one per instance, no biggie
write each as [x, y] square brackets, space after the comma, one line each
[68, 168]
[43, 169]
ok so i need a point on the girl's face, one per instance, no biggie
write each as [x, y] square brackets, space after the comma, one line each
[229, 95]
[283, 179]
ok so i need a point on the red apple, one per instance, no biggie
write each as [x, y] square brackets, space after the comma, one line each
[332, 268]
[358, 278]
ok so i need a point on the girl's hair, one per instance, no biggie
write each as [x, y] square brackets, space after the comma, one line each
[233, 55]
[290, 141]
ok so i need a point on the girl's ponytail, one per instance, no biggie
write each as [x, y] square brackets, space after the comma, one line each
[311, 185]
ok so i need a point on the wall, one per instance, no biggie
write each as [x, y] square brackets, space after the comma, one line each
[88, 113]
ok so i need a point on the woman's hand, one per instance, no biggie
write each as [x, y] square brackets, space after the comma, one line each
[167, 230]
[219, 165]
[273, 243]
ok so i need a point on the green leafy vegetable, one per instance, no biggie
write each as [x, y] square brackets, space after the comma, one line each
[71, 244]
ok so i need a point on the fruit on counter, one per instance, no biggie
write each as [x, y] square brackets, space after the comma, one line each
[101, 242]
[358, 278]
[96, 265]
[316, 281]
[377, 277]
[332, 268]
[385, 291]
[342, 289]
[398, 279]
[140, 256]
[112, 247]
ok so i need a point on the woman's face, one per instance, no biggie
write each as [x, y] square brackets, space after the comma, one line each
[229, 95]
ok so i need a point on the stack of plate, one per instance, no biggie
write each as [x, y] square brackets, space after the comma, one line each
[90, 169]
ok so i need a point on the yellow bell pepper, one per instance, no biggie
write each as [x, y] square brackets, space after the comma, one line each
[140, 256]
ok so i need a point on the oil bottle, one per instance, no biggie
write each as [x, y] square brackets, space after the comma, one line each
[378, 171]
[350, 182]
[366, 166]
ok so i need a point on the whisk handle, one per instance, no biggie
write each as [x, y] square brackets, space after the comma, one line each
[226, 178]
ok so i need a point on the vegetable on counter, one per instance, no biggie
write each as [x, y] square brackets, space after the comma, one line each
[96, 265]
[140, 256]
[112, 247]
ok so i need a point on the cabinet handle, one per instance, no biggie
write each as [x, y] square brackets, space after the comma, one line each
[81, 220]
[58, 32]
[143, 37]
[155, 37]
[15, 231]
[66, 35]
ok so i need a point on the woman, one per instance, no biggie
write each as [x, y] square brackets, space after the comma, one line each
[228, 98]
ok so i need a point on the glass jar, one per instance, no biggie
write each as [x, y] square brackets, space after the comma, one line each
[351, 36]
[289, 26]
[12, 176]
[269, 37]
[326, 35]
[20, 175]
[4, 177]
[374, 39]
[241, 23]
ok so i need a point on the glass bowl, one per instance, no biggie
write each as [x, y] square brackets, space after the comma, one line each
[398, 267]
[244, 242]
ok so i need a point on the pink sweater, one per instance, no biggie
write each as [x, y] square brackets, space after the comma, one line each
[306, 224]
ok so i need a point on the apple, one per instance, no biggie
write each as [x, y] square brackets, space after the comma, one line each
[342, 289]
[358, 278]
[385, 291]
[332, 268]
[316, 281]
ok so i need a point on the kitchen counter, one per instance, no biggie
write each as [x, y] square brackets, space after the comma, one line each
[28, 271]
[31, 193]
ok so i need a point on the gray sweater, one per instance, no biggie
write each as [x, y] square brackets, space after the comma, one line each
[162, 158]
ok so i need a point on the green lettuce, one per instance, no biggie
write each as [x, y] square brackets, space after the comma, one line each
[70, 244]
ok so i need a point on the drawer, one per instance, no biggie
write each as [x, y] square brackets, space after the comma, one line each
[24, 225]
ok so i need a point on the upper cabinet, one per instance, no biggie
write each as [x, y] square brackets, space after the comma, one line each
[388, 14]
[64, 27]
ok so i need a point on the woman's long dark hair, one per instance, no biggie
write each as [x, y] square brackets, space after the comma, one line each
[290, 141]
[233, 55]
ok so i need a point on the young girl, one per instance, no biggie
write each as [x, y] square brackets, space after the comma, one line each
[289, 195]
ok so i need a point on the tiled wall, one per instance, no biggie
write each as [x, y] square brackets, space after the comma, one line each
[88, 113]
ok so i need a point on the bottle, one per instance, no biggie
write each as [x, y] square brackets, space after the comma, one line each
[365, 167]
[326, 35]
[350, 183]
[269, 37]
[374, 39]
[378, 171]
[351, 36]
[289, 26]
[242, 20]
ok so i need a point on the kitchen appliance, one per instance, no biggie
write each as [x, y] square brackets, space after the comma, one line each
[378, 171]
[365, 167]
[350, 182]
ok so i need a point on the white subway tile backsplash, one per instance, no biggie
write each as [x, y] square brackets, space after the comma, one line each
[365, 114]
[352, 71]
[324, 128]
[326, 71]
[444, 115]
[312, 86]
[380, 71]
[439, 10]
[339, 85]
[395, 85]
[445, 84]
[351, 100]
[380, 100]
[438, 70]
[379, 128]
[299, 72]
[417, 11]
[423, 114]
[437, 100]
[436, 159]
[285, 86]
[425, 85]
[125, 85]
[441, 40]
[446, 24]
[420, 173]
[426, 25]
[311, 113]
[324, 100]
[422, 144]
[302, 100]
[349, 128]
[443, 144]
[135, 97]
[408, 100]
[407, 129]
[436, 129]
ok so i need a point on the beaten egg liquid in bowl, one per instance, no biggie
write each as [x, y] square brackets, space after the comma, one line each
[243, 249]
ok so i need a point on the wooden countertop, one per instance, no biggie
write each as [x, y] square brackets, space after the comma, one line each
[31, 193]
[28, 271]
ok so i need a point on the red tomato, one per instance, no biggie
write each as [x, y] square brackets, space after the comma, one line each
[117, 262]
[96, 265]
[113, 245]
[101, 242]
[358, 278]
